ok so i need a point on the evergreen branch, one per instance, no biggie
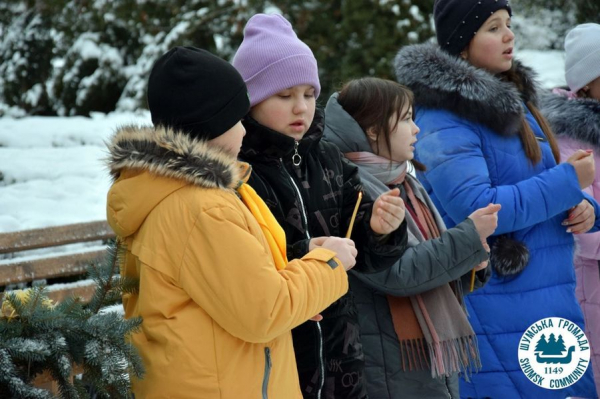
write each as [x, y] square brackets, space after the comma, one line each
[33, 298]
[40, 337]
[129, 285]
[26, 349]
[65, 388]
[104, 275]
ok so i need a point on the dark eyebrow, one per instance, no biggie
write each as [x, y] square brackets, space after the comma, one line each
[496, 19]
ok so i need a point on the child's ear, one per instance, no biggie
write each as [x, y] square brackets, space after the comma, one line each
[371, 134]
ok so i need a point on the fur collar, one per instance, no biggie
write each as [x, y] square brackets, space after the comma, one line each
[577, 118]
[172, 154]
[440, 80]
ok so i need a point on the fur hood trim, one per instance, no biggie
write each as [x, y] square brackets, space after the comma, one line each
[172, 154]
[577, 118]
[443, 81]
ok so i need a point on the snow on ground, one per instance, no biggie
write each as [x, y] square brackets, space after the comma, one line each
[51, 168]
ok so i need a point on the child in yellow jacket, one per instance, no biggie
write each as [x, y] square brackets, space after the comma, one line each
[217, 296]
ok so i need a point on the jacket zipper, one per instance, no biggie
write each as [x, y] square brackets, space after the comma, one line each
[321, 361]
[296, 159]
[268, 366]
[302, 209]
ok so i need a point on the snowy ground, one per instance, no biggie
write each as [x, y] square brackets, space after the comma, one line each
[51, 170]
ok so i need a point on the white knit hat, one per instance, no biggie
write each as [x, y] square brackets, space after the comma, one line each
[582, 48]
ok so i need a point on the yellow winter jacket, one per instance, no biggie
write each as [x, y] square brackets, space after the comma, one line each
[216, 313]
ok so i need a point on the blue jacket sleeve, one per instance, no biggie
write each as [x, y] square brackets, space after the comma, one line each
[458, 174]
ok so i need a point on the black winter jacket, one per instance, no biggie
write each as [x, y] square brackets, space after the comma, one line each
[312, 193]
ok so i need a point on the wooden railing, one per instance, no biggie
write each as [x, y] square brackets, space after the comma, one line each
[53, 266]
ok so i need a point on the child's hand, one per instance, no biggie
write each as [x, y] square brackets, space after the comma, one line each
[486, 220]
[583, 162]
[316, 242]
[344, 249]
[485, 263]
[388, 212]
[581, 218]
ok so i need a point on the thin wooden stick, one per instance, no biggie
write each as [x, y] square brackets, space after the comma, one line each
[472, 280]
[360, 195]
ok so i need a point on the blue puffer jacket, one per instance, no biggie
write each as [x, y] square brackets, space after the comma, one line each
[470, 144]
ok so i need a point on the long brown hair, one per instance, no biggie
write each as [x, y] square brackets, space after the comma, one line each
[530, 143]
[583, 93]
[372, 102]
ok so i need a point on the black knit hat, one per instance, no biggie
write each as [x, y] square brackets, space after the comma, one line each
[457, 21]
[196, 92]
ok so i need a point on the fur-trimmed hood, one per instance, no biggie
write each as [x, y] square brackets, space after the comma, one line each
[577, 118]
[172, 154]
[443, 81]
[149, 164]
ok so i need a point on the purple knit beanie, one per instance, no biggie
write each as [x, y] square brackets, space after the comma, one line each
[271, 58]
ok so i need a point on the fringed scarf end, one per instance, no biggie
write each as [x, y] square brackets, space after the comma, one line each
[413, 354]
[460, 355]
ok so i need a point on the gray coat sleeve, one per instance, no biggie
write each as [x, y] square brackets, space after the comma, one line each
[481, 279]
[431, 263]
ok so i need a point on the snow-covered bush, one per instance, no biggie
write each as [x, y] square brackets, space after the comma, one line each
[26, 51]
[531, 27]
[90, 78]
[73, 57]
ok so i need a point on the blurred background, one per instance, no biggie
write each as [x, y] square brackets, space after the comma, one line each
[71, 71]
[73, 57]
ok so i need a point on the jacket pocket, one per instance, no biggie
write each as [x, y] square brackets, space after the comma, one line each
[268, 366]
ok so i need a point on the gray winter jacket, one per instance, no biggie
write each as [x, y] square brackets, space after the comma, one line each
[423, 266]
